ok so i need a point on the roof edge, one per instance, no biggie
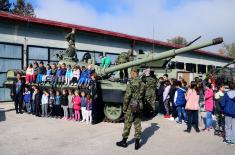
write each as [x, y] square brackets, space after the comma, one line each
[101, 31]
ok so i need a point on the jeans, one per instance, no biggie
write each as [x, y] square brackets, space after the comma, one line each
[82, 81]
[208, 119]
[37, 109]
[167, 106]
[33, 108]
[18, 102]
[57, 110]
[51, 113]
[44, 110]
[181, 111]
[65, 109]
[192, 117]
[39, 78]
[70, 112]
[28, 106]
[229, 128]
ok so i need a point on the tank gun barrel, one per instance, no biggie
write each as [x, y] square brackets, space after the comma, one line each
[158, 56]
[228, 64]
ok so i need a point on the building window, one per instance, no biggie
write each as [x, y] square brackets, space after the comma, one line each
[191, 67]
[171, 65]
[179, 65]
[210, 68]
[201, 69]
[85, 55]
[11, 57]
[53, 52]
[37, 54]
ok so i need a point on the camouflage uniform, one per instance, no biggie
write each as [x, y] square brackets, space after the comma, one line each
[150, 91]
[134, 90]
[123, 58]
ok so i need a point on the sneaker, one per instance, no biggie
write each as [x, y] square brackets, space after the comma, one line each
[178, 122]
[228, 142]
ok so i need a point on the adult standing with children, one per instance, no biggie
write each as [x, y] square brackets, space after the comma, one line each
[17, 93]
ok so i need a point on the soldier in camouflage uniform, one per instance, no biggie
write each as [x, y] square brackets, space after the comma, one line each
[150, 91]
[134, 91]
[123, 58]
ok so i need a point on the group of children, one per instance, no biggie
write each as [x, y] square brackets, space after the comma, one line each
[182, 96]
[58, 75]
[69, 105]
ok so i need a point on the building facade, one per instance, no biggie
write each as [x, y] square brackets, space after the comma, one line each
[25, 39]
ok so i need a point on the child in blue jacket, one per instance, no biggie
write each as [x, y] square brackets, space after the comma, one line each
[179, 100]
[227, 104]
[83, 76]
[27, 99]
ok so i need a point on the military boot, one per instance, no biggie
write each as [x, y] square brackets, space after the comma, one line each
[122, 143]
[137, 144]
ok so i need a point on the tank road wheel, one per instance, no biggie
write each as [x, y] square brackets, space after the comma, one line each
[113, 112]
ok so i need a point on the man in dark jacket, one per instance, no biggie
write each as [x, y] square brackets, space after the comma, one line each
[17, 93]
[228, 109]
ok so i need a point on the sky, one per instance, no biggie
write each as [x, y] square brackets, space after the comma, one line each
[158, 19]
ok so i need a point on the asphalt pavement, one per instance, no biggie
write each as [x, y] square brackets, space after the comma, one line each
[24, 134]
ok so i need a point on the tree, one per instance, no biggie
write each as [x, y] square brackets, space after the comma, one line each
[22, 8]
[29, 11]
[223, 51]
[230, 48]
[5, 5]
[178, 40]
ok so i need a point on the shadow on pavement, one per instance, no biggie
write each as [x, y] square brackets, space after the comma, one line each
[146, 134]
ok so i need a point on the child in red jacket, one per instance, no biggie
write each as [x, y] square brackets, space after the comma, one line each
[76, 105]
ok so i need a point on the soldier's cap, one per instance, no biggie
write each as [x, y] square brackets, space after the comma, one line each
[134, 69]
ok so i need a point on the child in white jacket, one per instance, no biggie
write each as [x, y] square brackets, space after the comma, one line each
[45, 101]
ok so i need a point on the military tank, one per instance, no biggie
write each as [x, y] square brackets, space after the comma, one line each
[224, 74]
[112, 90]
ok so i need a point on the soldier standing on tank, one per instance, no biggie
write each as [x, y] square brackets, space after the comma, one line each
[123, 58]
[134, 92]
[150, 91]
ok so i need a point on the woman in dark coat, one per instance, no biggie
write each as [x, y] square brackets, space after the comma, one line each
[97, 107]
[17, 93]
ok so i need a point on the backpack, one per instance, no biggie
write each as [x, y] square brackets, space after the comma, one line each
[134, 103]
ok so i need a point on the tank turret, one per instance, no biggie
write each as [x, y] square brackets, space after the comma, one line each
[157, 56]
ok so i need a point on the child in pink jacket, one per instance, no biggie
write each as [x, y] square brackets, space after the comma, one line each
[209, 103]
[76, 105]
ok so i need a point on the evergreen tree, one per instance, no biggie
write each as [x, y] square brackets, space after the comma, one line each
[29, 11]
[23, 8]
[5, 5]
